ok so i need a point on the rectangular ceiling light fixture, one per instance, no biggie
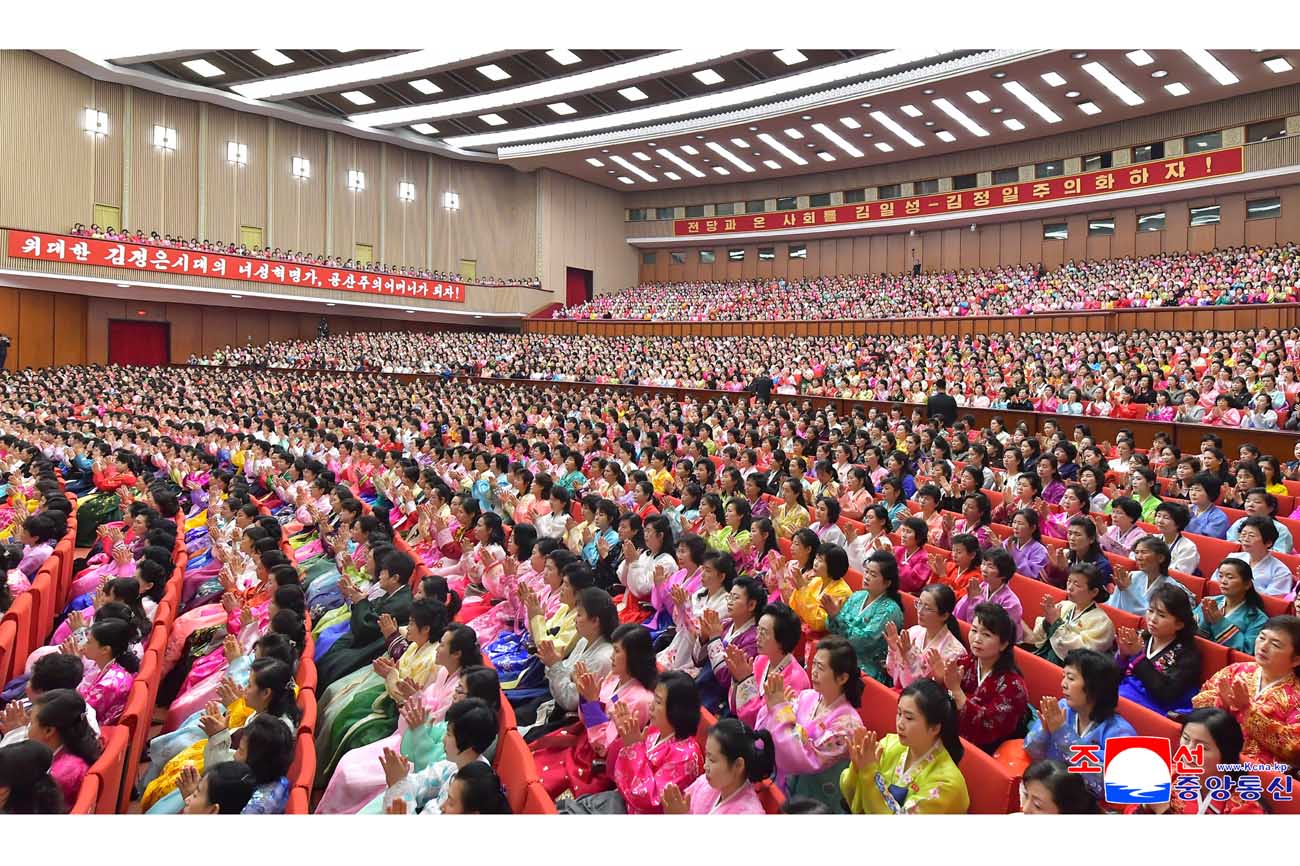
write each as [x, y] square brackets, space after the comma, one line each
[1016, 89]
[892, 125]
[956, 114]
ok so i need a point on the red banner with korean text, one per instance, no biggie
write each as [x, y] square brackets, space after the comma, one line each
[1179, 169]
[39, 246]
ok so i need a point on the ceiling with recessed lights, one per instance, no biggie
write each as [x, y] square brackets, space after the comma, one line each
[655, 119]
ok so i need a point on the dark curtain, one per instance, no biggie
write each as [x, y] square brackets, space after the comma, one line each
[144, 344]
[577, 286]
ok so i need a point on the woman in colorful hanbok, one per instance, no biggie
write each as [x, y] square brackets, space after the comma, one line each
[1084, 716]
[988, 689]
[1236, 617]
[269, 691]
[471, 727]
[806, 590]
[735, 759]
[516, 568]
[913, 771]
[1264, 695]
[1076, 623]
[686, 651]
[909, 656]
[108, 648]
[636, 570]
[777, 634]
[573, 759]
[362, 707]
[1218, 737]
[812, 729]
[865, 616]
[1161, 664]
[648, 758]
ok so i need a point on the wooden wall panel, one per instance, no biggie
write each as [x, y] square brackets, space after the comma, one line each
[878, 261]
[1174, 237]
[1261, 232]
[35, 344]
[1231, 230]
[1031, 242]
[186, 331]
[9, 323]
[164, 183]
[219, 328]
[223, 179]
[1288, 223]
[898, 253]
[356, 213]
[1077, 239]
[106, 150]
[69, 329]
[1124, 241]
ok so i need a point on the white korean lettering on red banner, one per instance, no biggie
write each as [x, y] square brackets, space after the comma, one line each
[138, 257]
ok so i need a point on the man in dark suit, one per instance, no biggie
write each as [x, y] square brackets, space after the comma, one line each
[761, 387]
[364, 640]
[940, 405]
[4, 349]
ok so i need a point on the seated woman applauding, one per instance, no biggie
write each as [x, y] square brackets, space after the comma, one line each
[1162, 665]
[471, 728]
[266, 747]
[1218, 736]
[734, 759]
[575, 758]
[864, 618]
[913, 771]
[1264, 695]
[936, 629]
[650, 758]
[777, 634]
[1235, 617]
[1084, 716]
[987, 688]
[1076, 623]
[812, 728]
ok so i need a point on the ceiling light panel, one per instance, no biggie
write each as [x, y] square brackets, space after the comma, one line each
[595, 163]
[547, 90]
[636, 154]
[204, 68]
[1012, 124]
[790, 56]
[772, 164]
[794, 134]
[492, 72]
[563, 56]
[1177, 88]
[1211, 64]
[672, 175]
[356, 97]
[849, 123]
[765, 91]
[910, 110]
[729, 157]
[679, 162]
[425, 86]
[1108, 80]
[1033, 103]
[892, 125]
[425, 128]
[1089, 108]
[836, 139]
[1278, 64]
[883, 147]
[273, 57]
[338, 77]
[825, 157]
[708, 76]
[979, 97]
[1140, 58]
[690, 149]
[720, 170]
[628, 180]
[958, 115]
[492, 119]
[774, 143]
[562, 108]
[634, 169]
[1053, 79]
[740, 143]
[945, 136]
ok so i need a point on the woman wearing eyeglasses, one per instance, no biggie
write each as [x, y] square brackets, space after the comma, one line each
[909, 657]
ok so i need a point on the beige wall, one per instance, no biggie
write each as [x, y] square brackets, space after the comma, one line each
[52, 174]
[580, 226]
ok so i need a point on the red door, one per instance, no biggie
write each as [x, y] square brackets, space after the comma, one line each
[141, 344]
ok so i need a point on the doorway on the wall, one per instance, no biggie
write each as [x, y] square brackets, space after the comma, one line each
[577, 286]
[140, 344]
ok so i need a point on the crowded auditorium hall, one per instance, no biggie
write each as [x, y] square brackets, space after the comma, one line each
[649, 432]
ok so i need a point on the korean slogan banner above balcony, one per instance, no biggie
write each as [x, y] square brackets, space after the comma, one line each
[136, 257]
[1180, 169]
